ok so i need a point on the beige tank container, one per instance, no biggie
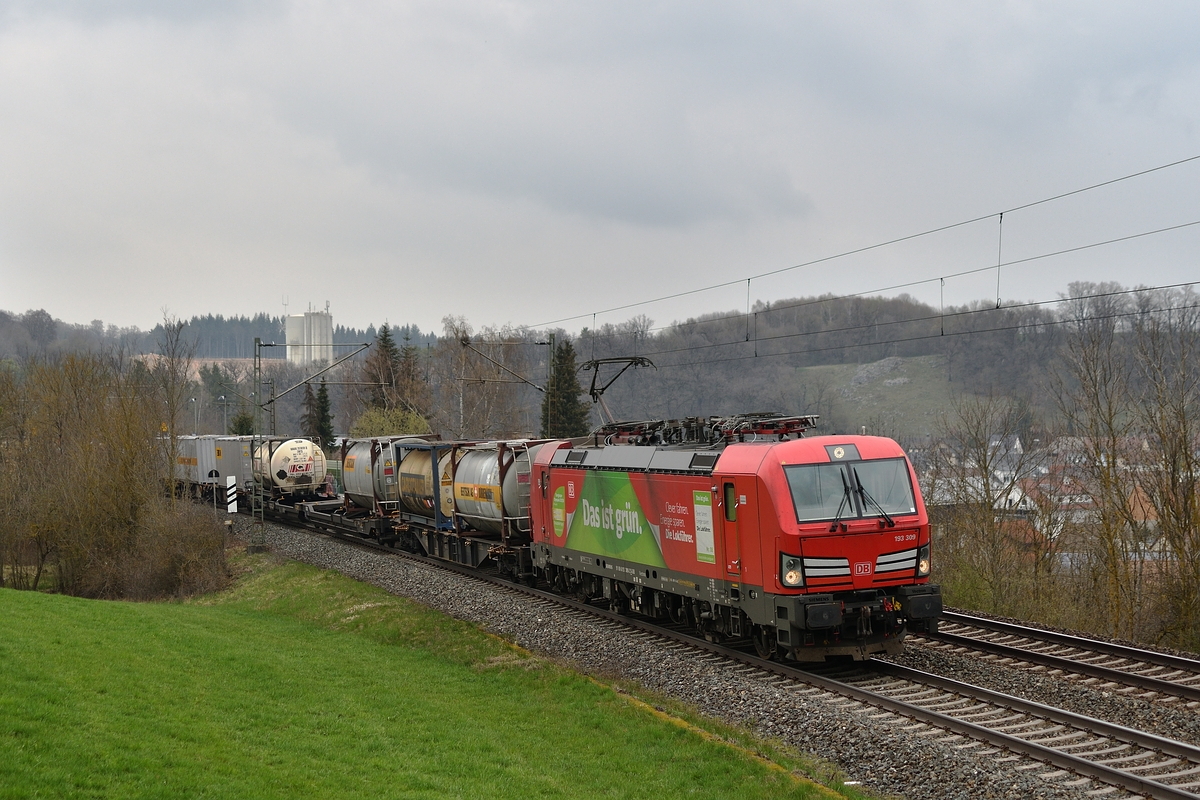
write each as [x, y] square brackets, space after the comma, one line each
[422, 485]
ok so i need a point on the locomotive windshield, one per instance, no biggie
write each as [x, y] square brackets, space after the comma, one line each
[851, 490]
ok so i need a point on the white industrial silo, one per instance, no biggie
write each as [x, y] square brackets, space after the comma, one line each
[310, 337]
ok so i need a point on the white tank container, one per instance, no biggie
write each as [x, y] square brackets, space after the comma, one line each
[294, 465]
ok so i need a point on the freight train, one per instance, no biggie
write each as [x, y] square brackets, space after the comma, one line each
[741, 528]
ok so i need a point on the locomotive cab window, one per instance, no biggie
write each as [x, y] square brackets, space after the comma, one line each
[885, 482]
[850, 490]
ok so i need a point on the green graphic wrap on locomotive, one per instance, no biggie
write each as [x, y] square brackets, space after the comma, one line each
[608, 520]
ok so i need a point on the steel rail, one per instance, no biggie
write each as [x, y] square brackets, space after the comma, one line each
[1101, 727]
[1081, 642]
[1112, 674]
[1145, 786]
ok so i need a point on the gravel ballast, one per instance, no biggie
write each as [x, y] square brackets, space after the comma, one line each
[870, 746]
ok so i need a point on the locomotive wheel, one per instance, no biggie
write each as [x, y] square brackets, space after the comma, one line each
[764, 642]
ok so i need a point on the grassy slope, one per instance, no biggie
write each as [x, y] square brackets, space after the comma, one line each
[902, 408]
[303, 683]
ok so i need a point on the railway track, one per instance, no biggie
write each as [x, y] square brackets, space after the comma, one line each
[1097, 758]
[1153, 676]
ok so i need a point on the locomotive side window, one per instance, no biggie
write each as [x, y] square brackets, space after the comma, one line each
[730, 503]
[850, 490]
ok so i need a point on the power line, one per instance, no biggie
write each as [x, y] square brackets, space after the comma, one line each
[888, 243]
[890, 323]
[912, 320]
[961, 273]
[925, 337]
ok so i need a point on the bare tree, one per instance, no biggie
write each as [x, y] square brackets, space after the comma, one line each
[1167, 409]
[976, 490]
[172, 377]
[1095, 401]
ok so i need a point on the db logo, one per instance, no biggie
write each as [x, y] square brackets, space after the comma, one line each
[862, 568]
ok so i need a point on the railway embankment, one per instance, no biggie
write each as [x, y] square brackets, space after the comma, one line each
[881, 751]
[301, 682]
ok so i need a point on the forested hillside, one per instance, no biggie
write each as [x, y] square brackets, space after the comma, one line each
[233, 337]
[888, 364]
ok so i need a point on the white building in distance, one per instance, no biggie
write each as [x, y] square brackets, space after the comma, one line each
[310, 337]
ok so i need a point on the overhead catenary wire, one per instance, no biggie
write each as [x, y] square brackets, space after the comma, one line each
[941, 279]
[924, 337]
[888, 243]
[928, 318]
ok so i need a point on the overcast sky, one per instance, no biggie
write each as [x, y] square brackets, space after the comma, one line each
[522, 162]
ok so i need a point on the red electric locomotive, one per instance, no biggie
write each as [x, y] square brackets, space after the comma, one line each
[811, 547]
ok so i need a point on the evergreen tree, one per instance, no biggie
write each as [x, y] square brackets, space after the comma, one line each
[324, 415]
[382, 367]
[309, 419]
[242, 423]
[564, 414]
[413, 392]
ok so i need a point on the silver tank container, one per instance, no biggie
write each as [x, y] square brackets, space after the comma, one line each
[482, 497]
[294, 465]
[370, 470]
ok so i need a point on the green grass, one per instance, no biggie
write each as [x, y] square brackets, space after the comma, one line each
[301, 682]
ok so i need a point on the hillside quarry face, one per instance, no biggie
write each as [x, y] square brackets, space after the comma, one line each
[870, 372]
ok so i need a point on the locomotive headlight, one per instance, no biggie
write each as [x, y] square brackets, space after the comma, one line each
[790, 573]
[923, 562]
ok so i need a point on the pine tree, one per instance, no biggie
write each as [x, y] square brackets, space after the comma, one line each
[242, 423]
[564, 414]
[413, 392]
[382, 367]
[324, 427]
[309, 419]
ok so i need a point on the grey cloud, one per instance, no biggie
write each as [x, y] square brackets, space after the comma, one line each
[682, 140]
[101, 12]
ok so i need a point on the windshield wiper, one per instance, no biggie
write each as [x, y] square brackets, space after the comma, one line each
[837, 518]
[866, 496]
